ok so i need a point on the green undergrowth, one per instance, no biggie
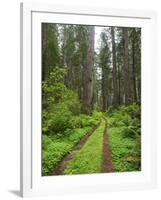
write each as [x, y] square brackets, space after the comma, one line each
[54, 148]
[63, 124]
[88, 160]
[125, 138]
[56, 145]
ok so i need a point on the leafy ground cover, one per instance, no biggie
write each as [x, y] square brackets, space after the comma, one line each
[125, 138]
[56, 146]
[63, 124]
[88, 160]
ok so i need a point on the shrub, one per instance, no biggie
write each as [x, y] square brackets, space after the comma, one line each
[82, 120]
[72, 102]
[46, 141]
[88, 121]
[129, 131]
[59, 104]
[124, 118]
[126, 151]
[97, 115]
[76, 122]
[118, 119]
[53, 88]
[133, 110]
[58, 120]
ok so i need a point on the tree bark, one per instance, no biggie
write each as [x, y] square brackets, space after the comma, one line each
[68, 55]
[133, 68]
[88, 73]
[126, 67]
[45, 69]
[119, 85]
[69, 78]
[104, 89]
[115, 88]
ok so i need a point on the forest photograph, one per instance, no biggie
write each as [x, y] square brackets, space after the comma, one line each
[91, 99]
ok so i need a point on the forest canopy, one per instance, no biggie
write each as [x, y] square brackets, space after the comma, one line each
[102, 65]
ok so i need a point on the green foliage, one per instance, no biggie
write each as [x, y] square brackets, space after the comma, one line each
[59, 103]
[64, 57]
[54, 148]
[97, 115]
[125, 118]
[56, 121]
[46, 141]
[86, 120]
[53, 89]
[62, 119]
[50, 51]
[133, 110]
[124, 137]
[89, 158]
[62, 124]
[71, 100]
[126, 152]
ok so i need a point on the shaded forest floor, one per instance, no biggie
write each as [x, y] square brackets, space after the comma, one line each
[112, 144]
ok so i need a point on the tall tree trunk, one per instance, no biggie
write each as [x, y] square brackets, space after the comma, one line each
[133, 69]
[44, 51]
[104, 89]
[119, 84]
[88, 73]
[80, 39]
[69, 77]
[126, 67]
[67, 56]
[138, 64]
[79, 87]
[115, 88]
[139, 90]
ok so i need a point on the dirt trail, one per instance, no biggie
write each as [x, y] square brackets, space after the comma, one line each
[106, 161]
[62, 165]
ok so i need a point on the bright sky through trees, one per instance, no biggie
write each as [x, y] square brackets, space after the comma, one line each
[98, 30]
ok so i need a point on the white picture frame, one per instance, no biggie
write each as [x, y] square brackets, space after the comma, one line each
[32, 183]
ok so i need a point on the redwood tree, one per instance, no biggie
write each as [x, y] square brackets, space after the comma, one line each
[88, 71]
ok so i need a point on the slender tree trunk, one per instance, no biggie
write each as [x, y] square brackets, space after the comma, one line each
[44, 37]
[44, 51]
[69, 74]
[115, 88]
[126, 67]
[67, 58]
[88, 73]
[119, 85]
[138, 65]
[133, 69]
[80, 66]
[79, 87]
[139, 90]
[94, 99]
[104, 89]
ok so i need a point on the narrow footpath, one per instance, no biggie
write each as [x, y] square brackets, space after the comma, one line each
[63, 163]
[106, 161]
[91, 155]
